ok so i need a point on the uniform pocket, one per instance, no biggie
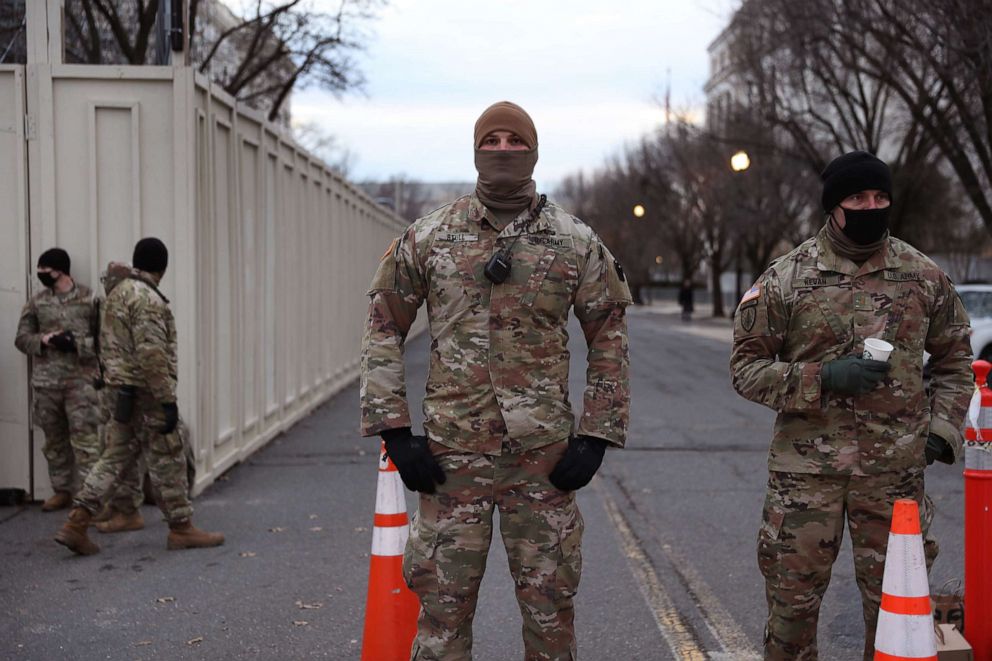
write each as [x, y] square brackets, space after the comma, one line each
[569, 569]
[769, 554]
[419, 558]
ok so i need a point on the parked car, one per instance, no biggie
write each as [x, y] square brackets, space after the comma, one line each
[977, 301]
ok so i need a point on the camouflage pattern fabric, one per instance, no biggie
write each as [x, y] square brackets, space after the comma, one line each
[64, 403]
[800, 535]
[127, 494]
[813, 306]
[50, 312]
[449, 542]
[833, 454]
[70, 418]
[138, 337]
[124, 445]
[498, 362]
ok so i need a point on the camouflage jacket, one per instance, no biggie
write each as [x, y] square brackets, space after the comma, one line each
[498, 357]
[138, 335]
[48, 312]
[812, 306]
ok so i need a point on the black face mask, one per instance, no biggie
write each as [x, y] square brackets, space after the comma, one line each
[47, 278]
[865, 226]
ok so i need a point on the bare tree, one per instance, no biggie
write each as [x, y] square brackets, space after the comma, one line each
[324, 145]
[289, 45]
[110, 31]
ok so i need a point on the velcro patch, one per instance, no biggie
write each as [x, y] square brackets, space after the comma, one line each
[902, 276]
[751, 294]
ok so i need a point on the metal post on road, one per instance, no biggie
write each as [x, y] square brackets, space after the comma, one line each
[978, 519]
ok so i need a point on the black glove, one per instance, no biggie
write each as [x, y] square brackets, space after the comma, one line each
[851, 375]
[64, 341]
[938, 449]
[124, 406]
[580, 462]
[171, 417]
[417, 466]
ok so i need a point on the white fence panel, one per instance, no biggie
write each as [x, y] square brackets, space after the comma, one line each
[15, 445]
[270, 251]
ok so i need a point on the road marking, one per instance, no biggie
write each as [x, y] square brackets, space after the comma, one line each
[681, 639]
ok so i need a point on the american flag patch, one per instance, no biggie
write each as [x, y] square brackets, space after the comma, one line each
[751, 294]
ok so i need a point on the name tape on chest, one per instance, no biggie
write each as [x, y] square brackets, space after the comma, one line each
[903, 276]
[816, 281]
[457, 237]
[544, 240]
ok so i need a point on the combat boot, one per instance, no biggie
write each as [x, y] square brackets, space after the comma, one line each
[183, 535]
[73, 533]
[121, 522]
[57, 501]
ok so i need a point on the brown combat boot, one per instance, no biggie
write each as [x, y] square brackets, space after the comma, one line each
[121, 522]
[183, 535]
[73, 533]
[57, 501]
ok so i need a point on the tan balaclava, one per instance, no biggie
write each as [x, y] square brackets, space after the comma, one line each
[505, 176]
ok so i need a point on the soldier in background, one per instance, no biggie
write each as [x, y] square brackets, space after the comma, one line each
[138, 354]
[58, 328]
[499, 271]
[852, 435]
[123, 510]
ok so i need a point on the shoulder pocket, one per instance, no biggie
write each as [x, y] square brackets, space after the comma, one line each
[385, 275]
[616, 281]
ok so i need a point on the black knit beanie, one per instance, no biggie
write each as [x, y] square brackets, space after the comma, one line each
[150, 256]
[55, 258]
[851, 173]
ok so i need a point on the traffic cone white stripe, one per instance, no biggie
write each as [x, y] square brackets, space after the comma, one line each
[905, 622]
[389, 541]
[905, 567]
[905, 636]
[389, 497]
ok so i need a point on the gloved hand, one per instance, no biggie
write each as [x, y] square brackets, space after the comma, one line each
[581, 461]
[171, 417]
[418, 468]
[124, 406]
[938, 449]
[851, 375]
[64, 341]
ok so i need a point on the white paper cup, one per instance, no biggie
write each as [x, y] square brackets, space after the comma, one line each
[876, 349]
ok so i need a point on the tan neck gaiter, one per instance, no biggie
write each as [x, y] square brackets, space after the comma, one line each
[505, 178]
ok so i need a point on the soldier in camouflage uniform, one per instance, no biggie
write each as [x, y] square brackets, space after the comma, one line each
[58, 328]
[138, 342]
[852, 434]
[499, 426]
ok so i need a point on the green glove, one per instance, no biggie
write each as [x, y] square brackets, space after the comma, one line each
[851, 375]
[938, 449]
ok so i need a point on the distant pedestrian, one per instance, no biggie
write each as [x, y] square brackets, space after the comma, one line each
[57, 329]
[138, 354]
[499, 271]
[686, 300]
[853, 434]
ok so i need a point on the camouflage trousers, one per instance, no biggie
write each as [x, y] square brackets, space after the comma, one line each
[449, 542]
[124, 445]
[70, 418]
[129, 494]
[800, 536]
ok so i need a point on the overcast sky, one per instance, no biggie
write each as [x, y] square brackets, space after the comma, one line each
[592, 74]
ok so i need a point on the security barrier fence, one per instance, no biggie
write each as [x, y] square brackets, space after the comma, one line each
[270, 250]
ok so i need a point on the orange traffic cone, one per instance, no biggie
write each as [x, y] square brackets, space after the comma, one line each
[390, 608]
[905, 622]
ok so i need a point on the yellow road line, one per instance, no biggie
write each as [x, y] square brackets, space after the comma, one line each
[674, 629]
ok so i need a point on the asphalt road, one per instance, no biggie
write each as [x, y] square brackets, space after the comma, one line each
[669, 558]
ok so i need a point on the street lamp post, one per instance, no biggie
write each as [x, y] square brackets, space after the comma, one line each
[739, 162]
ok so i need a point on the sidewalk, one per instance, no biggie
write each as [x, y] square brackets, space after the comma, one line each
[290, 581]
[703, 323]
